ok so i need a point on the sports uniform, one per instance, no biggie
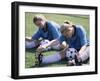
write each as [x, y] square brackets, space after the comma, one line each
[78, 40]
[51, 32]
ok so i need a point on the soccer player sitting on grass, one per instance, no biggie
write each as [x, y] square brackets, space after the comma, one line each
[75, 37]
[48, 30]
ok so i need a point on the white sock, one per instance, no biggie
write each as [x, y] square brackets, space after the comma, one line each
[29, 44]
[51, 58]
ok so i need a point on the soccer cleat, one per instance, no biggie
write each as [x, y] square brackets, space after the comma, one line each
[78, 62]
[38, 59]
[71, 62]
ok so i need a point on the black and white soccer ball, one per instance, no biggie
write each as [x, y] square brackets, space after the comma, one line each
[44, 42]
[71, 55]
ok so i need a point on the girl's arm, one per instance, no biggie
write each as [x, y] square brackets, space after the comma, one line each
[82, 49]
[51, 43]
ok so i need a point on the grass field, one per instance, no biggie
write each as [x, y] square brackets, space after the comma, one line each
[30, 29]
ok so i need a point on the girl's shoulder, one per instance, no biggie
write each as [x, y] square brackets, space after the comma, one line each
[79, 28]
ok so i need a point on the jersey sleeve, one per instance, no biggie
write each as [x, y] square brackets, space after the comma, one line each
[54, 29]
[61, 39]
[37, 35]
[82, 35]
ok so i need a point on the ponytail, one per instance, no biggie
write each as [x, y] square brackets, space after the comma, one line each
[69, 23]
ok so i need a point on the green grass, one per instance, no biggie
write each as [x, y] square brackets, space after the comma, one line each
[30, 29]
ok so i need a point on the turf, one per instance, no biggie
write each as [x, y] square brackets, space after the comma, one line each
[30, 29]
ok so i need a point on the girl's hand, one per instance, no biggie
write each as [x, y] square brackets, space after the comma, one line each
[41, 48]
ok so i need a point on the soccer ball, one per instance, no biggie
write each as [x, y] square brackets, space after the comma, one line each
[44, 42]
[71, 56]
[71, 53]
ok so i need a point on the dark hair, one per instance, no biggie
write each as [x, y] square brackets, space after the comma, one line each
[38, 17]
[70, 23]
[67, 22]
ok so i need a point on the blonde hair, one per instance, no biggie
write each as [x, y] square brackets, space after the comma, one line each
[39, 17]
[66, 25]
